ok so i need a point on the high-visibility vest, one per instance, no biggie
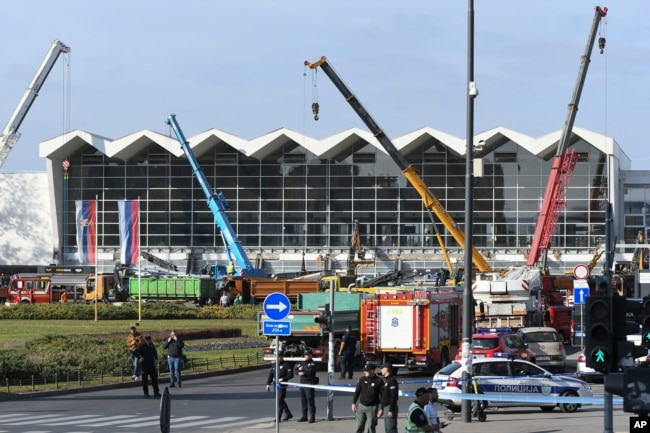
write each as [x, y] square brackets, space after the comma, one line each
[410, 425]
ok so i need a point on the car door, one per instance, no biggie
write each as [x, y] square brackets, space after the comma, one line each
[496, 378]
[531, 381]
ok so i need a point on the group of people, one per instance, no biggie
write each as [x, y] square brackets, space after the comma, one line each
[306, 371]
[144, 358]
[373, 398]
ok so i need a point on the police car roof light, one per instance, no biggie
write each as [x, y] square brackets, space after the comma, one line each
[495, 330]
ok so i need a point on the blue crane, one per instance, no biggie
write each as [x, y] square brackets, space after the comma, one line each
[218, 205]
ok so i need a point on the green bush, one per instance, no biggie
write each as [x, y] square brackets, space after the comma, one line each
[152, 310]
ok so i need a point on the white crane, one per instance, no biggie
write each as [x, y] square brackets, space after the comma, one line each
[10, 134]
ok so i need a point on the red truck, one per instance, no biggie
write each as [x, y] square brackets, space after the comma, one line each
[412, 328]
[31, 289]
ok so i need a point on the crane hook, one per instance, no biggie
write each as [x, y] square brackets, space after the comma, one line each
[601, 44]
[314, 109]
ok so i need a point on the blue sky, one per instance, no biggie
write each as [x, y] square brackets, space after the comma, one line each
[237, 65]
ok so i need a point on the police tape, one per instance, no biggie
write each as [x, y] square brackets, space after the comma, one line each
[492, 399]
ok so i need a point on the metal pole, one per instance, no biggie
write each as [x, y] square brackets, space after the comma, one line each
[468, 303]
[331, 358]
[276, 385]
[608, 402]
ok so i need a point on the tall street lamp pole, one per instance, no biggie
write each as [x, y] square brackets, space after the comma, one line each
[468, 301]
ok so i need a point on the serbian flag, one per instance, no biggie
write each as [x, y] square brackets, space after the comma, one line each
[129, 215]
[86, 231]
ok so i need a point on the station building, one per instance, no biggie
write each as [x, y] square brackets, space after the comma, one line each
[293, 196]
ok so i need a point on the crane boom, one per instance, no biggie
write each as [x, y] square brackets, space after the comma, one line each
[10, 134]
[564, 161]
[218, 205]
[431, 202]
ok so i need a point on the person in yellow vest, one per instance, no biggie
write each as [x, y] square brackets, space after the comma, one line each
[416, 419]
[230, 269]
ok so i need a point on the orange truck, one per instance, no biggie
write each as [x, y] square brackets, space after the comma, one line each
[259, 288]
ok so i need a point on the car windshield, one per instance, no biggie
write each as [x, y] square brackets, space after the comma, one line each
[514, 342]
[449, 368]
[541, 337]
[485, 343]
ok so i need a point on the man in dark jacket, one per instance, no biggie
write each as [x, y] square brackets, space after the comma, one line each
[346, 353]
[285, 373]
[174, 345]
[366, 400]
[148, 357]
[389, 395]
[307, 371]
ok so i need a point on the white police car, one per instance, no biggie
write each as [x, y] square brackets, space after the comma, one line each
[504, 377]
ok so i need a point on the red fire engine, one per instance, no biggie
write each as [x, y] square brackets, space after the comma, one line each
[31, 289]
[412, 329]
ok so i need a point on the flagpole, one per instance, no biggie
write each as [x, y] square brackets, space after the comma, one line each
[96, 262]
[139, 268]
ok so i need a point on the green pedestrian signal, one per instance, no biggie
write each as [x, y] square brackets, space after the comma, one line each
[598, 356]
[599, 337]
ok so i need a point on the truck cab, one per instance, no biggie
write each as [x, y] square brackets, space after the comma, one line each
[103, 289]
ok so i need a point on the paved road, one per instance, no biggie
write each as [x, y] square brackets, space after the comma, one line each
[238, 401]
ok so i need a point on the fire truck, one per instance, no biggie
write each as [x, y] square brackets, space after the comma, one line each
[415, 329]
[32, 289]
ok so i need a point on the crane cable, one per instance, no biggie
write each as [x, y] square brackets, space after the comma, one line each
[314, 93]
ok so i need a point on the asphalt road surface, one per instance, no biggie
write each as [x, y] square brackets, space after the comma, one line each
[239, 401]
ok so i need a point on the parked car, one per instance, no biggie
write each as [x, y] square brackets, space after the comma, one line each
[516, 377]
[546, 344]
[586, 373]
[497, 344]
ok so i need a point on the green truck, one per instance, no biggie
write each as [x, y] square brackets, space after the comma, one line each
[202, 291]
[307, 333]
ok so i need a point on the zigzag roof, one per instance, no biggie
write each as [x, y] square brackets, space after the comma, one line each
[336, 146]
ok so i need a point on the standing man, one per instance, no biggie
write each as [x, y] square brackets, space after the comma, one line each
[416, 418]
[225, 299]
[148, 357]
[389, 395]
[285, 373]
[307, 372]
[133, 341]
[230, 269]
[174, 345]
[431, 411]
[368, 396]
[346, 353]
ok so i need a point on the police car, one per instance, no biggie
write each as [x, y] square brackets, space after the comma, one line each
[503, 376]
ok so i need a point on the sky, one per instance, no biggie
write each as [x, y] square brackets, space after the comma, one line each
[238, 66]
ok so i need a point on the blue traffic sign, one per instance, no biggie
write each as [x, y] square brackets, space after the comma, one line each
[580, 295]
[277, 327]
[277, 306]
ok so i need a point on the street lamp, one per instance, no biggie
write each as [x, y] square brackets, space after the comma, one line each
[468, 302]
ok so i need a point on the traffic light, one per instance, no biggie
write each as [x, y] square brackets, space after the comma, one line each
[645, 322]
[634, 386]
[599, 334]
[325, 318]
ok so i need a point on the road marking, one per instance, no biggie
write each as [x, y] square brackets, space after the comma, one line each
[84, 421]
[47, 418]
[117, 422]
[176, 422]
[237, 424]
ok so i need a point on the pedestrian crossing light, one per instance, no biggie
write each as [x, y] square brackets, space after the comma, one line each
[325, 318]
[599, 336]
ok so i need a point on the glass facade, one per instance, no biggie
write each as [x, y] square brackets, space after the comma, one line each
[294, 200]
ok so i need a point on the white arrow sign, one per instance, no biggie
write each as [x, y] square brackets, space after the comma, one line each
[280, 307]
